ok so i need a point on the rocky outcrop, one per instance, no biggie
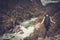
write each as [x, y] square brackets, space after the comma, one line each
[15, 11]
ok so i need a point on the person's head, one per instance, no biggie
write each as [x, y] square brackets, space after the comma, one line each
[46, 14]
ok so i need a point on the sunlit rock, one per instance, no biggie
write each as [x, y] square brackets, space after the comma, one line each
[44, 2]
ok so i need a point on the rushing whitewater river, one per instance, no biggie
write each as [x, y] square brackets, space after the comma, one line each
[26, 28]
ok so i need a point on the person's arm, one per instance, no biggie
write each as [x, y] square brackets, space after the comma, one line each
[43, 20]
[52, 20]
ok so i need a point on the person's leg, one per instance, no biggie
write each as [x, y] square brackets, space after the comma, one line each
[45, 32]
[47, 29]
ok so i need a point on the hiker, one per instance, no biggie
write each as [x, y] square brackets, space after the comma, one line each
[46, 21]
[48, 4]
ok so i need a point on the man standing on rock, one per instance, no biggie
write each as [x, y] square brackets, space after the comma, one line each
[46, 21]
[48, 5]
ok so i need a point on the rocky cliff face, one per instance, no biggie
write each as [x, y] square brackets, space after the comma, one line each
[15, 11]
